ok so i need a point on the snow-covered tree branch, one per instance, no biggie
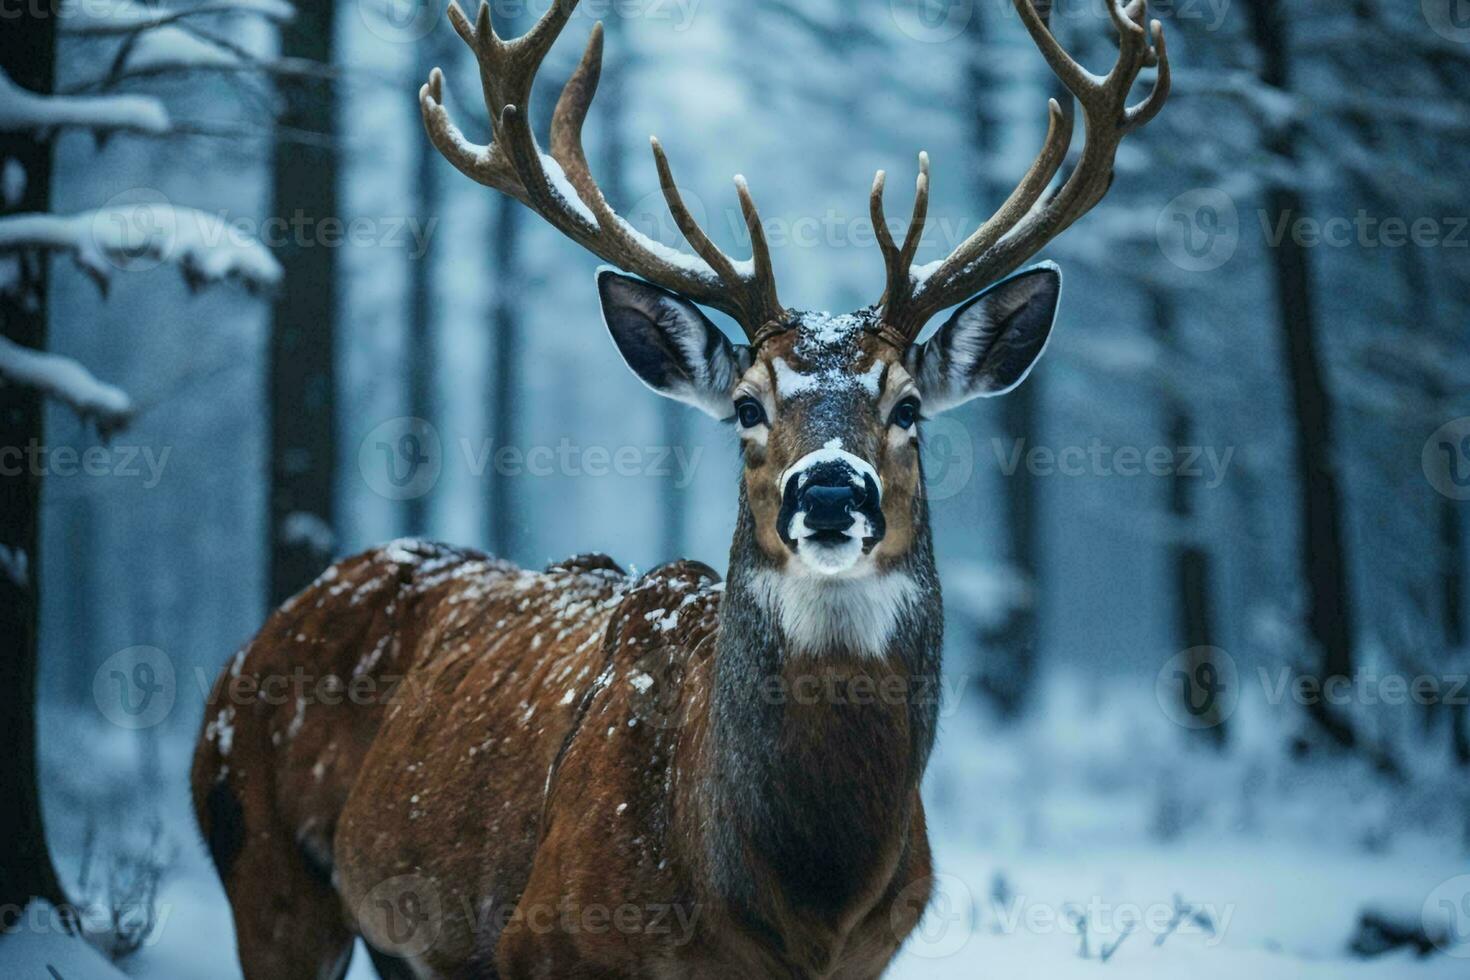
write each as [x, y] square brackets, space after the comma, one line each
[68, 382]
[109, 240]
[24, 111]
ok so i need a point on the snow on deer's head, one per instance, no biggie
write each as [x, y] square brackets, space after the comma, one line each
[830, 410]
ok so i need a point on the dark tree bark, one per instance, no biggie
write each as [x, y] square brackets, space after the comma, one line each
[301, 373]
[505, 327]
[1324, 563]
[27, 54]
[1189, 561]
[421, 311]
[1007, 671]
[503, 519]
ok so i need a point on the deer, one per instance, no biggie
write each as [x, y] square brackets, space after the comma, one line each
[485, 771]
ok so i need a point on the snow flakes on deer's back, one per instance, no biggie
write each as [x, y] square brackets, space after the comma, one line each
[221, 731]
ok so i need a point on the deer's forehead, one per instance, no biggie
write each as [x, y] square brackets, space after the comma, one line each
[824, 358]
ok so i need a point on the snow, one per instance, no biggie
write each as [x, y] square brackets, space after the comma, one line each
[173, 49]
[691, 264]
[40, 948]
[21, 111]
[985, 594]
[12, 183]
[66, 381]
[562, 187]
[1027, 825]
[123, 17]
[127, 236]
[300, 527]
[15, 565]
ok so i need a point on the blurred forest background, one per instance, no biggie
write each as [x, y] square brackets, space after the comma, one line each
[252, 321]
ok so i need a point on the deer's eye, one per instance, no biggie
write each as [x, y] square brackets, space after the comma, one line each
[750, 413]
[905, 413]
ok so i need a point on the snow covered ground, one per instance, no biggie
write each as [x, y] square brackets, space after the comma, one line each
[1102, 812]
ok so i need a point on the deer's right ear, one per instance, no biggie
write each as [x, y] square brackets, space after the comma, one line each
[670, 344]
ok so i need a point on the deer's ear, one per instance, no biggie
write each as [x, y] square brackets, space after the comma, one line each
[670, 344]
[989, 345]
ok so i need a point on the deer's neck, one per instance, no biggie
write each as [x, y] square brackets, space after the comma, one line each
[818, 750]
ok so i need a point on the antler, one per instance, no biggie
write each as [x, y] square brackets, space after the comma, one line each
[560, 187]
[1025, 222]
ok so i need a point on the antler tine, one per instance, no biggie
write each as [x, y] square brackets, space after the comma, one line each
[764, 279]
[1028, 219]
[898, 260]
[920, 215]
[688, 227]
[560, 186]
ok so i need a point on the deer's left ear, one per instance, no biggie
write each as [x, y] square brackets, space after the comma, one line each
[670, 344]
[988, 346]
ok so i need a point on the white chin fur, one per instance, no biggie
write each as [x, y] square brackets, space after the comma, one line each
[829, 613]
[829, 559]
[833, 559]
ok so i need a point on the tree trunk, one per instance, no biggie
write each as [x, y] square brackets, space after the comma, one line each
[1323, 549]
[302, 382]
[421, 313]
[1189, 560]
[27, 54]
[505, 327]
[1007, 670]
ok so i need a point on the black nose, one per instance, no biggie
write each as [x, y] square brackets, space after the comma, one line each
[828, 507]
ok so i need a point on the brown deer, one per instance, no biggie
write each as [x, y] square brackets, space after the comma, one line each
[484, 771]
